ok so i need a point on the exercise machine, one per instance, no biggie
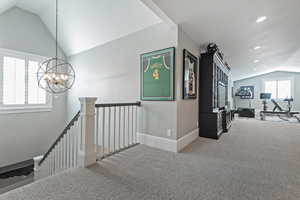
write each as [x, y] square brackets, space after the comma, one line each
[278, 110]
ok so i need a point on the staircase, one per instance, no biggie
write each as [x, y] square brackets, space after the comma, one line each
[96, 132]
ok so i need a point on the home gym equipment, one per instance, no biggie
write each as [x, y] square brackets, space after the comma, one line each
[264, 97]
[281, 113]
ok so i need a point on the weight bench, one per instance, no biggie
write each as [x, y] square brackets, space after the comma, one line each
[289, 114]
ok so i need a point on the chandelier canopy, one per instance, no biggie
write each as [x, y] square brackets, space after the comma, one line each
[56, 75]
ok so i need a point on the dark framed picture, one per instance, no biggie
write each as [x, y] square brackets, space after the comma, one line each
[157, 75]
[190, 65]
[247, 92]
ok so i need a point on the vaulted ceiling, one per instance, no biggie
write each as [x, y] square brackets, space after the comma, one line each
[86, 24]
[232, 25]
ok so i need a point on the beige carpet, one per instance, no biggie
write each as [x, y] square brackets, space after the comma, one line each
[255, 161]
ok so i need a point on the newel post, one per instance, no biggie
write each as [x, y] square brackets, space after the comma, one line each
[87, 154]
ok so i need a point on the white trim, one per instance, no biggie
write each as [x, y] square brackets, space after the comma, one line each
[187, 139]
[282, 78]
[168, 144]
[24, 109]
[158, 142]
[20, 54]
[152, 6]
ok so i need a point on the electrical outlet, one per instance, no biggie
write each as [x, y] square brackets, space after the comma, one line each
[169, 133]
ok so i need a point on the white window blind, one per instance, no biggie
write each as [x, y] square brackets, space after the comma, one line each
[280, 89]
[13, 80]
[36, 95]
[271, 87]
[18, 83]
[284, 89]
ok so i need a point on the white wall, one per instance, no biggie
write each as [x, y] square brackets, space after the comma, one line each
[111, 72]
[187, 110]
[258, 82]
[23, 136]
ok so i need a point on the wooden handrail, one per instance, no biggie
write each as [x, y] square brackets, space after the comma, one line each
[117, 104]
[65, 131]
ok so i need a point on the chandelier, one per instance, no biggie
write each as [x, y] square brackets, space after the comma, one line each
[56, 75]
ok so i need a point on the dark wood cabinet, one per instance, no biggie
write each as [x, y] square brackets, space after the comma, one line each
[227, 119]
[211, 125]
[213, 95]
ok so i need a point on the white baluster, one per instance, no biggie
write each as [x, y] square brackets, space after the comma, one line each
[77, 128]
[68, 149]
[63, 152]
[52, 162]
[70, 142]
[97, 131]
[103, 132]
[58, 156]
[66, 152]
[71, 146]
[48, 166]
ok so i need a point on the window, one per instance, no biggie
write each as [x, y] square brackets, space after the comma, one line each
[280, 89]
[19, 91]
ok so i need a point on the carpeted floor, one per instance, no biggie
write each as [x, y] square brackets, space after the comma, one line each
[255, 161]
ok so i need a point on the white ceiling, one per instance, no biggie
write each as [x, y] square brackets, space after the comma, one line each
[232, 25]
[6, 4]
[84, 24]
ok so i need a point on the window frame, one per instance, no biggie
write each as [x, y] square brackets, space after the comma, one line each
[277, 80]
[22, 108]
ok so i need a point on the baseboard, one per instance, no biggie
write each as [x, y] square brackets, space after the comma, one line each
[187, 139]
[158, 142]
[168, 144]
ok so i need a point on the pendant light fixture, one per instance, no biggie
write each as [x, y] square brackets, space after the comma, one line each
[56, 75]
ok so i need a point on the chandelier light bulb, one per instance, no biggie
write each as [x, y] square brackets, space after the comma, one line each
[56, 76]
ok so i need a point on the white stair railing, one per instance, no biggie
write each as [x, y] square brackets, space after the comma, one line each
[96, 132]
[74, 147]
[116, 127]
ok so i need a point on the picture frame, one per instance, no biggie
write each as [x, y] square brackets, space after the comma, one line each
[248, 91]
[158, 75]
[190, 78]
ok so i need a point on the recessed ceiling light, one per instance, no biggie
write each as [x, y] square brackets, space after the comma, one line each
[257, 47]
[256, 61]
[261, 19]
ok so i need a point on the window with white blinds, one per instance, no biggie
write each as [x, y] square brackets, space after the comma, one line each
[280, 89]
[36, 95]
[19, 89]
[13, 80]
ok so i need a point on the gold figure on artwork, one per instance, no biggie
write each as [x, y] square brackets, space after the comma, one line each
[155, 74]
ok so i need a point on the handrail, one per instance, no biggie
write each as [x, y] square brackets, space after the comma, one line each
[117, 104]
[75, 118]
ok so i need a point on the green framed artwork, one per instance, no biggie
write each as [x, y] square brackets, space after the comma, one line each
[157, 75]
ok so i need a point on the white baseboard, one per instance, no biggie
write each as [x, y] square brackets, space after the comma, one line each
[187, 139]
[168, 144]
[158, 142]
